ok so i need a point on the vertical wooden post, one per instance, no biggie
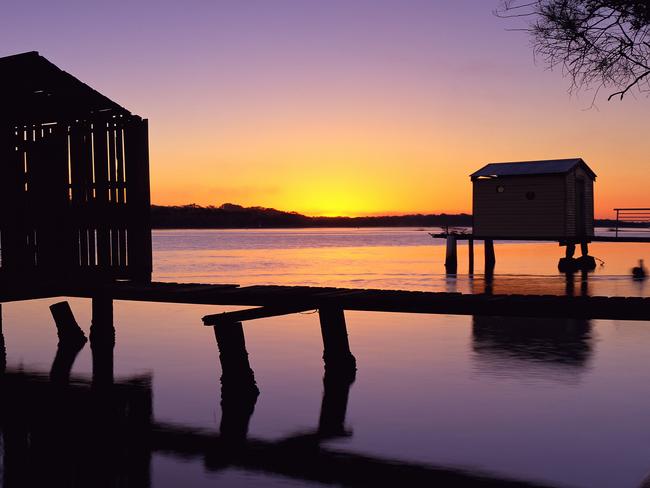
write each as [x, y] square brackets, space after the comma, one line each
[451, 256]
[102, 340]
[470, 248]
[584, 248]
[236, 373]
[336, 347]
[570, 250]
[138, 198]
[490, 259]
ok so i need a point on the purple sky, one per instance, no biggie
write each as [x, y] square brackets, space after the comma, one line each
[257, 100]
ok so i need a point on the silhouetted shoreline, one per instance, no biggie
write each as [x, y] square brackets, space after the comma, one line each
[237, 217]
[230, 216]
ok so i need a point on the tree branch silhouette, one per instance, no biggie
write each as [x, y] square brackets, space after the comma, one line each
[597, 43]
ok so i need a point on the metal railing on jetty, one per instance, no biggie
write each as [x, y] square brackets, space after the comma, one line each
[639, 218]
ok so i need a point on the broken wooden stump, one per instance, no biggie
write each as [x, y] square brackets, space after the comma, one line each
[67, 328]
[336, 347]
[71, 341]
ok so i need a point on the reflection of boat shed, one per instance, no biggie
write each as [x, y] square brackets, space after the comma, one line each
[74, 178]
[545, 199]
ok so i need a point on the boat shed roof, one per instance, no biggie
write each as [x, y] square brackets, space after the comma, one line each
[531, 168]
[32, 89]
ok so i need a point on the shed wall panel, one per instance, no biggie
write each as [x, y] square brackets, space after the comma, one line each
[511, 213]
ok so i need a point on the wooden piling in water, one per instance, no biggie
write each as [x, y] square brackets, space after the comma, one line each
[336, 346]
[451, 256]
[470, 249]
[490, 259]
[236, 373]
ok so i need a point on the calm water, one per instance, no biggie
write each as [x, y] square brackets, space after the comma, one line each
[548, 402]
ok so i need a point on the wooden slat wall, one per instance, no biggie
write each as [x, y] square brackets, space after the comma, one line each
[138, 197]
[571, 178]
[511, 214]
[80, 195]
[11, 197]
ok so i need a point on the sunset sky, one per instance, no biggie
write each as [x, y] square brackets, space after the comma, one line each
[337, 107]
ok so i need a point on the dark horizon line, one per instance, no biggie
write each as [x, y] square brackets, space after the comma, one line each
[232, 216]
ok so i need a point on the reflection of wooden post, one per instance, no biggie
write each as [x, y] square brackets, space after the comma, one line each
[470, 248]
[489, 282]
[584, 283]
[335, 404]
[451, 257]
[569, 288]
[490, 259]
[236, 372]
[236, 412]
[336, 347]
[102, 339]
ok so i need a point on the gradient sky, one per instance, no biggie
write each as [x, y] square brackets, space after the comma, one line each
[337, 107]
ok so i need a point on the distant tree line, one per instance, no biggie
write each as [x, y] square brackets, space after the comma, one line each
[237, 217]
[230, 216]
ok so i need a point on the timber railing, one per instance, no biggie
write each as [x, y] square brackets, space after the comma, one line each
[638, 217]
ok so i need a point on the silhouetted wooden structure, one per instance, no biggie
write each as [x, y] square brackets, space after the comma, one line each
[552, 198]
[549, 200]
[74, 179]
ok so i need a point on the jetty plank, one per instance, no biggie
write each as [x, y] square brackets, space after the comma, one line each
[276, 297]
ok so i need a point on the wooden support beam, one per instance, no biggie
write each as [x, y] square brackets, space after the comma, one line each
[336, 347]
[490, 259]
[237, 377]
[451, 256]
[102, 340]
[253, 314]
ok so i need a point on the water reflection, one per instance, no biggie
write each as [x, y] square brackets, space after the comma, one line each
[524, 346]
[73, 431]
[79, 436]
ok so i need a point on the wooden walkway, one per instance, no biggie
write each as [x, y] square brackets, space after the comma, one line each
[280, 300]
